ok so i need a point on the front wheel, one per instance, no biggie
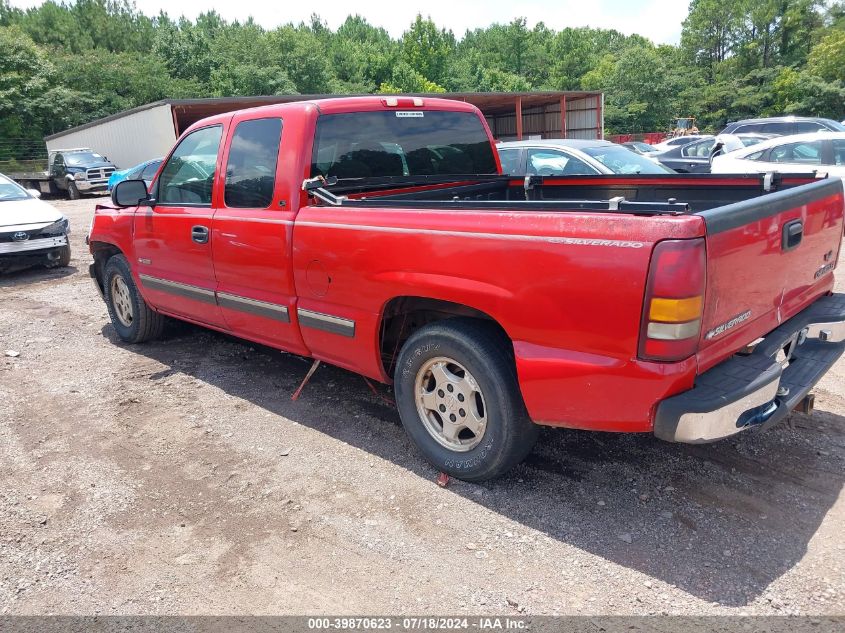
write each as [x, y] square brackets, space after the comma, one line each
[458, 397]
[73, 191]
[64, 257]
[133, 320]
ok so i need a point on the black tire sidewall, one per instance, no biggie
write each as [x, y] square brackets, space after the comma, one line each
[487, 459]
[73, 191]
[117, 265]
[64, 259]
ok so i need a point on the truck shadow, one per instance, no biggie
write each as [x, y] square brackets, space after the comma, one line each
[721, 521]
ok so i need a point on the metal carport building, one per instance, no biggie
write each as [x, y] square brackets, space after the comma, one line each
[133, 136]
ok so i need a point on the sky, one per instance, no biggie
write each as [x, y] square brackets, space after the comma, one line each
[658, 20]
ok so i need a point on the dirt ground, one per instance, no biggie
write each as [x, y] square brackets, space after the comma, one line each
[179, 477]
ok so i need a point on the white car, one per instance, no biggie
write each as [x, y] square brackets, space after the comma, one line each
[821, 152]
[31, 231]
[573, 157]
[671, 143]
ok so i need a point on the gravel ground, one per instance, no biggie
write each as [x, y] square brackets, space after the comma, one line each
[179, 477]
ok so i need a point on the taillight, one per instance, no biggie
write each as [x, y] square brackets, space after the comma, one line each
[674, 301]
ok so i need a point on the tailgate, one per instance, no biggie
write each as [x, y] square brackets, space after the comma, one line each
[767, 259]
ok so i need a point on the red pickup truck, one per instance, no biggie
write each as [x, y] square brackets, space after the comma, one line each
[378, 234]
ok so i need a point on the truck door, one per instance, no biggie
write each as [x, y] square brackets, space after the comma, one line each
[251, 236]
[173, 238]
[57, 171]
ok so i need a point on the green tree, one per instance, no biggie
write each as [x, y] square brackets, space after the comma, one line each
[406, 79]
[427, 49]
[827, 58]
[711, 32]
[362, 56]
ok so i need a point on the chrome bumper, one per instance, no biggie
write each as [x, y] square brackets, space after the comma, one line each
[92, 185]
[828, 332]
[27, 246]
[760, 389]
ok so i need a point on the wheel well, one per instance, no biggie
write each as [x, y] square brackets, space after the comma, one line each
[102, 252]
[402, 316]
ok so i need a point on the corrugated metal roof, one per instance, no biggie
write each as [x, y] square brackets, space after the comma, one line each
[188, 111]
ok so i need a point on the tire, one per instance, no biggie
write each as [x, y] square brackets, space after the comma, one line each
[64, 257]
[133, 320]
[479, 355]
[73, 191]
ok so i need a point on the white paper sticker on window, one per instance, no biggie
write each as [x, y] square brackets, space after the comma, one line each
[410, 114]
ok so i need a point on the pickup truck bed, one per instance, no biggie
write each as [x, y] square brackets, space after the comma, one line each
[632, 303]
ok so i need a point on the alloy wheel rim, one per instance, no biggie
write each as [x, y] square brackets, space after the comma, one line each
[121, 301]
[450, 404]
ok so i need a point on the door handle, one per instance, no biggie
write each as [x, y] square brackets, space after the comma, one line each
[199, 234]
[793, 232]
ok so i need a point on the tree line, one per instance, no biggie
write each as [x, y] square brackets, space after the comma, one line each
[66, 63]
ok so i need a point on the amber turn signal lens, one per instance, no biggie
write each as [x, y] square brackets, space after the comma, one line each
[675, 310]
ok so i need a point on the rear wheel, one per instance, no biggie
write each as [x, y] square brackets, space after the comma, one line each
[459, 400]
[133, 320]
[73, 191]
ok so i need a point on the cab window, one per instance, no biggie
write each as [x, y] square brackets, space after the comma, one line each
[401, 143]
[251, 166]
[188, 175]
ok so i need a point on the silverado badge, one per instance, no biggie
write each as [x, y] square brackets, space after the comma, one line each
[721, 329]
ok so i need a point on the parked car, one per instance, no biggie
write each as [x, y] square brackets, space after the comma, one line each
[146, 171]
[818, 152]
[572, 157]
[695, 158]
[641, 148]
[31, 231]
[378, 234]
[679, 141]
[784, 125]
[71, 172]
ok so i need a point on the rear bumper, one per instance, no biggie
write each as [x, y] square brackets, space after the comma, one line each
[760, 389]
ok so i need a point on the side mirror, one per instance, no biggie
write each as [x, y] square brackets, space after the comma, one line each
[129, 193]
[34, 193]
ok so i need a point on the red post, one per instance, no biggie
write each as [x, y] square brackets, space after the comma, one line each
[519, 118]
[563, 130]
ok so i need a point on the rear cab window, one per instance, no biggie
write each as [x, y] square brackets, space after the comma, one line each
[251, 165]
[401, 143]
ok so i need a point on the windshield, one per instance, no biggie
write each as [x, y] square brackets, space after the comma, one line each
[643, 147]
[78, 159]
[621, 160]
[10, 190]
[836, 126]
[401, 143]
